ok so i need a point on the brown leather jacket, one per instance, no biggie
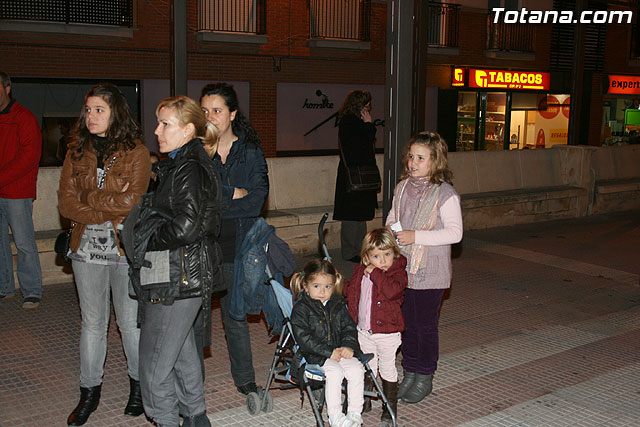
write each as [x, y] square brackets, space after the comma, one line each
[80, 200]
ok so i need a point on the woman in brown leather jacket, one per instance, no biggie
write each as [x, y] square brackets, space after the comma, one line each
[105, 172]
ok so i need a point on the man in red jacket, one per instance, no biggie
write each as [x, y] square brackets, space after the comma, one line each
[20, 149]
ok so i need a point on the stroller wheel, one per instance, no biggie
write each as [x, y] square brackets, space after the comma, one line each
[253, 403]
[267, 406]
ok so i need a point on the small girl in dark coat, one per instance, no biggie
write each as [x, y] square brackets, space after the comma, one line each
[327, 336]
[374, 296]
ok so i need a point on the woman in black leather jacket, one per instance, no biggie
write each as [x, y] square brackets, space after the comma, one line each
[245, 185]
[189, 192]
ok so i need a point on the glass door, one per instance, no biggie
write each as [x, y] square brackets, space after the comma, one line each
[466, 130]
[493, 106]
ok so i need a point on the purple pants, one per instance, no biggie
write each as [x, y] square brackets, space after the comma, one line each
[421, 311]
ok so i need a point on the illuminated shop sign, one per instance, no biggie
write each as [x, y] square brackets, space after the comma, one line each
[500, 79]
[624, 85]
[457, 77]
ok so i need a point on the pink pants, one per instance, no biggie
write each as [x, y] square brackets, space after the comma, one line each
[335, 372]
[383, 347]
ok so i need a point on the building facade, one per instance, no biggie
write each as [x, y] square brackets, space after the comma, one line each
[491, 83]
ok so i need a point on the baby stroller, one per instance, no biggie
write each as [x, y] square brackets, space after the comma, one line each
[309, 378]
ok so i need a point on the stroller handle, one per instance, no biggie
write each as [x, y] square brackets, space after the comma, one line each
[323, 243]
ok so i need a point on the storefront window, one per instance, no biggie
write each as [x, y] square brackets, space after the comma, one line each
[538, 121]
[620, 119]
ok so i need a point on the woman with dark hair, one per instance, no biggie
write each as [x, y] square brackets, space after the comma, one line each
[105, 171]
[356, 134]
[245, 186]
[188, 193]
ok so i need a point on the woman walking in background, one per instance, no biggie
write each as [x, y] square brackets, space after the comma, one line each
[105, 171]
[356, 135]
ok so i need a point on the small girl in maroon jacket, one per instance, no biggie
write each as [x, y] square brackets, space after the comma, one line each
[374, 296]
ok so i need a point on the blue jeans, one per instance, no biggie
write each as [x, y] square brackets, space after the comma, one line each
[170, 375]
[16, 213]
[94, 283]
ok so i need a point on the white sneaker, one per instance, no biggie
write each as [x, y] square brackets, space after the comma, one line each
[339, 420]
[356, 419]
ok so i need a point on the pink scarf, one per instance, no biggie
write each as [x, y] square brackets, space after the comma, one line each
[417, 211]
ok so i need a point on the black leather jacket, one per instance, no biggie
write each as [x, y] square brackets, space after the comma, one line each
[319, 329]
[189, 191]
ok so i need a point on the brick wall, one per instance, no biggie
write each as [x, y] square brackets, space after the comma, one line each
[285, 57]
[147, 56]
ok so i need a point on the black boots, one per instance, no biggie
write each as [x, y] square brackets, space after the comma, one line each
[89, 400]
[134, 405]
[422, 385]
[368, 386]
[407, 383]
[247, 388]
[391, 392]
[200, 420]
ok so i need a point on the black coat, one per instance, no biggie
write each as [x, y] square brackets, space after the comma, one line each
[189, 192]
[357, 139]
[319, 329]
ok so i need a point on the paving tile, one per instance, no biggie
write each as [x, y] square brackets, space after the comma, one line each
[532, 333]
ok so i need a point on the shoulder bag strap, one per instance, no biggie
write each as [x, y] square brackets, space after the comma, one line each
[344, 160]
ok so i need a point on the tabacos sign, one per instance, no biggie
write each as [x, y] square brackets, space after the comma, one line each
[457, 77]
[624, 85]
[501, 79]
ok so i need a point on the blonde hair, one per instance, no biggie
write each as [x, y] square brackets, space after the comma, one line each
[189, 111]
[299, 281]
[381, 239]
[437, 146]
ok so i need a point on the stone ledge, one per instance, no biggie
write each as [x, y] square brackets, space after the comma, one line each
[63, 28]
[302, 216]
[494, 198]
[443, 50]
[339, 44]
[509, 54]
[610, 186]
[229, 37]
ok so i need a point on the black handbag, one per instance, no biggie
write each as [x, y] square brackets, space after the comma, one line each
[61, 246]
[361, 177]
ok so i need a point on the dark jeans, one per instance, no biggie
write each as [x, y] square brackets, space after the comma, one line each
[421, 309]
[238, 339]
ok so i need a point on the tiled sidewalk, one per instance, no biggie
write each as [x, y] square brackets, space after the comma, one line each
[540, 328]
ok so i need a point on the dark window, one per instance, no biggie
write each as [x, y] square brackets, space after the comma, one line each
[340, 19]
[443, 24]
[103, 12]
